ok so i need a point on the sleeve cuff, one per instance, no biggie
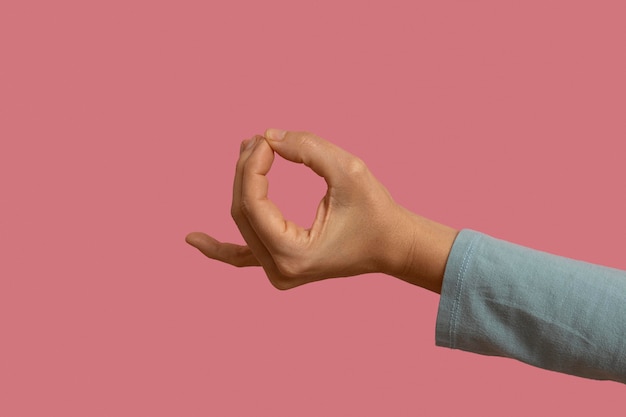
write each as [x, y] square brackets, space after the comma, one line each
[453, 281]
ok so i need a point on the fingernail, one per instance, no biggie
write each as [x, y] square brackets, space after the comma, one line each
[245, 144]
[251, 143]
[275, 134]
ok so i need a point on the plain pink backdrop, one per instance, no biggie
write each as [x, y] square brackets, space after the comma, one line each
[120, 124]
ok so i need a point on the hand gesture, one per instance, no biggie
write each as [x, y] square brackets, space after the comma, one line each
[358, 228]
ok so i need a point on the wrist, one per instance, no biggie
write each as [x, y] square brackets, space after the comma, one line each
[419, 251]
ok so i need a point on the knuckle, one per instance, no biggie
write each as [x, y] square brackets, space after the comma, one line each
[292, 271]
[235, 212]
[299, 267]
[356, 167]
[290, 268]
[246, 206]
[281, 284]
[279, 281]
[238, 260]
[241, 210]
[307, 139]
[287, 269]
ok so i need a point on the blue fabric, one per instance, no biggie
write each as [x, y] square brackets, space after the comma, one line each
[556, 313]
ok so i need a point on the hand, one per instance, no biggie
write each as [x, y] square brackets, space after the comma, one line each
[358, 228]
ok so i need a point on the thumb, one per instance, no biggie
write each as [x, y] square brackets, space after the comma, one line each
[323, 157]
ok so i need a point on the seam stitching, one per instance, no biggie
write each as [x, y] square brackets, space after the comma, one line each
[459, 286]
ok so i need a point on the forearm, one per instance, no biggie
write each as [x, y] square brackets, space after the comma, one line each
[502, 299]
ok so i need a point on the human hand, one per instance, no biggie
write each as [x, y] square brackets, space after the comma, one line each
[358, 228]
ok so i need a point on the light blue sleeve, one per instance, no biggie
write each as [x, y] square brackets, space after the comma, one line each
[556, 313]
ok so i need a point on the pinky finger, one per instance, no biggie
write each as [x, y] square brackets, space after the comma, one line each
[229, 253]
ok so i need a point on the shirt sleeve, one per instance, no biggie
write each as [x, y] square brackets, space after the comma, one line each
[556, 313]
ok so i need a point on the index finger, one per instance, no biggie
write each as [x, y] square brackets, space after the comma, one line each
[325, 158]
[247, 231]
[277, 234]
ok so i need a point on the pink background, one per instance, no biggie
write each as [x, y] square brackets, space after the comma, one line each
[120, 124]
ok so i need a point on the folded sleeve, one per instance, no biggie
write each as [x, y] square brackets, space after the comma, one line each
[556, 313]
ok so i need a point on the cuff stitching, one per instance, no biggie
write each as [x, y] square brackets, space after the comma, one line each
[458, 291]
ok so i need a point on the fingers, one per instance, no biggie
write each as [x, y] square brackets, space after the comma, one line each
[255, 244]
[276, 244]
[230, 253]
[323, 157]
[277, 234]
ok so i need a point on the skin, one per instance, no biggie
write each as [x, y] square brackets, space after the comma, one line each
[358, 227]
